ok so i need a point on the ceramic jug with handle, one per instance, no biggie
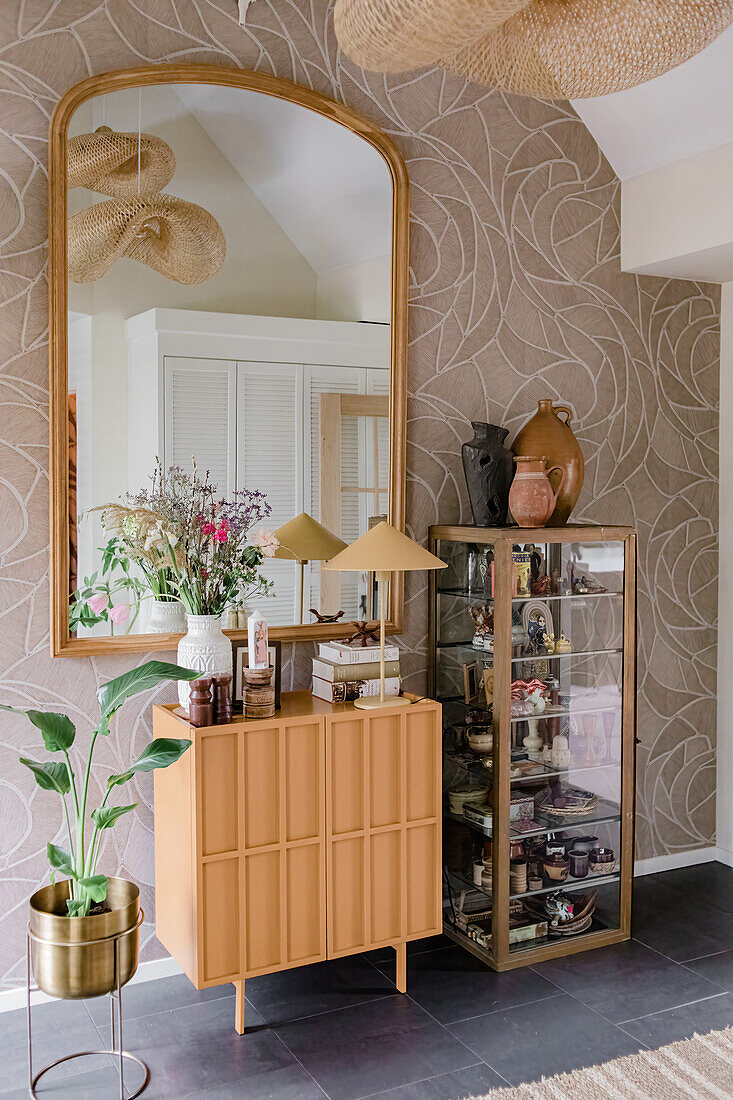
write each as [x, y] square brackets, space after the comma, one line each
[531, 497]
[546, 433]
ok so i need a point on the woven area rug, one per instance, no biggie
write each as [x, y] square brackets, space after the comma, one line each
[700, 1068]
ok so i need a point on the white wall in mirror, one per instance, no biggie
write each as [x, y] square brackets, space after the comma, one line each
[306, 209]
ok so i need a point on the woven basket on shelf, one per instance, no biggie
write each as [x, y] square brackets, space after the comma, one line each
[107, 161]
[395, 35]
[178, 239]
[571, 49]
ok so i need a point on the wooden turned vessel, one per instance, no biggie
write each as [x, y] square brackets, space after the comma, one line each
[259, 693]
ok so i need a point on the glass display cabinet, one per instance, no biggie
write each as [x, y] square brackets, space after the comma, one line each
[532, 643]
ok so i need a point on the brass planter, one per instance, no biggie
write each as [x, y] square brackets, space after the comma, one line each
[66, 963]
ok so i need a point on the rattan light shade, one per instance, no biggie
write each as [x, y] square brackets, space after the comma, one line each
[176, 238]
[571, 49]
[107, 161]
[395, 35]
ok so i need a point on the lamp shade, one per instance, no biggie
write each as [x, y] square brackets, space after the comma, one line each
[384, 549]
[304, 539]
[120, 165]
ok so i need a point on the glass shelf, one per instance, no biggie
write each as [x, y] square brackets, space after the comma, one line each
[463, 593]
[568, 885]
[606, 813]
[476, 769]
[468, 648]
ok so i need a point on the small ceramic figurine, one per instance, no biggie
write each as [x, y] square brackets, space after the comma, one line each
[548, 641]
[555, 583]
[560, 752]
[562, 645]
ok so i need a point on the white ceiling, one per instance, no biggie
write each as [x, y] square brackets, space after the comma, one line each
[684, 112]
[327, 188]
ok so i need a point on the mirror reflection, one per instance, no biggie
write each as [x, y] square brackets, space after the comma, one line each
[229, 293]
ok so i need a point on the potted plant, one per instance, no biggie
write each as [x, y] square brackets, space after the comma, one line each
[213, 555]
[86, 908]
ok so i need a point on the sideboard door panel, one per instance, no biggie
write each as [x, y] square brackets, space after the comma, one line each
[283, 844]
[383, 827]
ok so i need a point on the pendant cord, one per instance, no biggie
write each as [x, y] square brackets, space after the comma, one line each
[139, 136]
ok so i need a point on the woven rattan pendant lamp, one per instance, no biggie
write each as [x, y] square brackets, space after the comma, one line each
[108, 161]
[178, 239]
[396, 35]
[571, 49]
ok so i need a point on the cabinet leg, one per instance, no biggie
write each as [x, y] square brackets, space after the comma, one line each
[401, 973]
[239, 1008]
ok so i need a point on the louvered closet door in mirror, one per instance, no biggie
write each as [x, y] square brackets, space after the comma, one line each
[228, 259]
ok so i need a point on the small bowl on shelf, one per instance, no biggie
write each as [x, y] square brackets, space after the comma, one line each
[556, 867]
[481, 740]
[601, 861]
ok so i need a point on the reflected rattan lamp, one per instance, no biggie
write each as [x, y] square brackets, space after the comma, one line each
[303, 539]
[383, 550]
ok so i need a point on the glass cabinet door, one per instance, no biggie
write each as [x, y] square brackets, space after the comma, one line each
[530, 665]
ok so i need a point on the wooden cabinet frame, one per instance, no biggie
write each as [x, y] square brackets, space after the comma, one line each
[502, 540]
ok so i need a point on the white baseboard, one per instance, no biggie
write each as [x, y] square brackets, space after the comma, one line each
[146, 972]
[688, 858]
[167, 967]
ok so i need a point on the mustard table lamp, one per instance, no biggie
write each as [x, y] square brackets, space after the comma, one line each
[303, 539]
[383, 550]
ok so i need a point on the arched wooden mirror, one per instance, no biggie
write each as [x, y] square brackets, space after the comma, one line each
[228, 283]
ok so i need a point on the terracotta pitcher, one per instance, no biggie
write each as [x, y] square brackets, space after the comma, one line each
[531, 497]
[547, 434]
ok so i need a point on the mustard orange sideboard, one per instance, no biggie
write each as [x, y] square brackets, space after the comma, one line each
[283, 841]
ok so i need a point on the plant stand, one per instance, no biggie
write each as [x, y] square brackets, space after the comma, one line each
[115, 998]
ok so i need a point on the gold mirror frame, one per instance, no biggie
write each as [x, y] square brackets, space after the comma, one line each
[62, 643]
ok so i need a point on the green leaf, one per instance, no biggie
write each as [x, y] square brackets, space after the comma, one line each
[60, 860]
[160, 753]
[96, 887]
[50, 776]
[118, 780]
[74, 907]
[57, 730]
[105, 817]
[111, 696]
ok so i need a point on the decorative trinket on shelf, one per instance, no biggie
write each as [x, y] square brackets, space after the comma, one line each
[257, 637]
[548, 641]
[522, 567]
[483, 619]
[586, 584]
[562, 645]
[259, 693]
[325, 618]
[540, 586]
[546, 434]
[489, 469]
[365, 633]
[200, 703]
[222, 697]
[532, 498]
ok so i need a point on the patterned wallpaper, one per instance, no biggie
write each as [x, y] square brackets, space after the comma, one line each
[516, 293]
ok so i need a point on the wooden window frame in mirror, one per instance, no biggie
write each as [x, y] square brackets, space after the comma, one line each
[62, 643]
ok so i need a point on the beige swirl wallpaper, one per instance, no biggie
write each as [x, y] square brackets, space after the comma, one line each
[516, 293]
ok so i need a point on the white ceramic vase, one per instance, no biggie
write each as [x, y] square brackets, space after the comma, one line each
[166, 617]
[203, 647]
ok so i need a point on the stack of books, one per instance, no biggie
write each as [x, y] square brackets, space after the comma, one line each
[344, 672]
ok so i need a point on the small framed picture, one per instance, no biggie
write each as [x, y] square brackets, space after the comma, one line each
[470, 682]
[241, 661]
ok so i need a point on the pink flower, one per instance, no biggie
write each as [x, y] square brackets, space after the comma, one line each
[98, 603]
[267, 541]
[208, 529]
[220, 535]
[120, 614]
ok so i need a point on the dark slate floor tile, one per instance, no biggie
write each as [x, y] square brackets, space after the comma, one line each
[308, 990]
[626, 980]
[452, 985]
[414, 947]
[712, 1014]
[462, 1083]
[59, 1028]
[716, 968]
[544, 1038]
[161, 995]
[99, 1082]
[194, 1049]
[687, 913]
[374, 1047]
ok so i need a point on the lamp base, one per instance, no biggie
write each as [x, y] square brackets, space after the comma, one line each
[394, 701]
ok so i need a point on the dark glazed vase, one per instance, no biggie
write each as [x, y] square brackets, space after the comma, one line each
[489, 469]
